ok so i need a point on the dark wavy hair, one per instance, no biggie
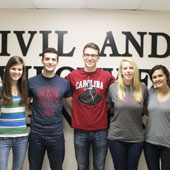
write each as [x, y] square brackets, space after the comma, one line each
[6, 92]
[164, 69]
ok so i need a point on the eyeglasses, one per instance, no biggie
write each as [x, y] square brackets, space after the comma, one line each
[92, 55]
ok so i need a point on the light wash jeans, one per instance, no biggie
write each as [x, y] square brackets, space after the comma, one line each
[83, 140]
[18, 146]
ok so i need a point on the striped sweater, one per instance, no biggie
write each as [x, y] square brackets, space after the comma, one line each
[12, 119]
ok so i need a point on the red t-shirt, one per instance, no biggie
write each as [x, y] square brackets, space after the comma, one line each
[89, 98]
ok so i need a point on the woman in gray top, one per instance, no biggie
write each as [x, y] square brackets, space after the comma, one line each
[126, 135]
[157, 136]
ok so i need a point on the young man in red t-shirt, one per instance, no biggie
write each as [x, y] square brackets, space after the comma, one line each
[89, 113]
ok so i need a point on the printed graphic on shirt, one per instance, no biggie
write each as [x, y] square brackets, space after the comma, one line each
[89, 95]
[48, 99]
[89, 83]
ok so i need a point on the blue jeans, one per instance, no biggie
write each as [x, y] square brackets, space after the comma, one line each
[125, 155]
[155, 153]
[39, 144]
[83, 140]
[18, 146]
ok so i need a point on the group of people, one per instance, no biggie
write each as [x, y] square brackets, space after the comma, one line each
[91, 93]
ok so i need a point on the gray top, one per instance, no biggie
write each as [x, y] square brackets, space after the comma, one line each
[158, 124]
[126, 123]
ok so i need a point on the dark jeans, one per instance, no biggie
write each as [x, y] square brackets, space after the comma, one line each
[125, 155]
[39, 144]
[155, 153]
[83, 140]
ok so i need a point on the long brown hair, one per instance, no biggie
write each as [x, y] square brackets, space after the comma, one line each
[6, 92]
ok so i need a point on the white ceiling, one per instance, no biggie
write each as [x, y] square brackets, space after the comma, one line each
[155, 5]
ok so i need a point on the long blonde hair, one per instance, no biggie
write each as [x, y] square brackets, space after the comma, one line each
[135, 87]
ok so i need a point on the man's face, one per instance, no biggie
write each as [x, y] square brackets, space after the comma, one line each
[90, 58]
[50, 62]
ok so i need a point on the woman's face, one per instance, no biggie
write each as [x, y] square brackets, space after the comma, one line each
[16, 72]
[159, 78]
[127, 72]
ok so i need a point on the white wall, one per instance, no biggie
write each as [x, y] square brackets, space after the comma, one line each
[84, 26]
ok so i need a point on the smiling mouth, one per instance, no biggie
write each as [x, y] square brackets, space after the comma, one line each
[129, 75]
[158, 83]
[89, 62]
[50, 66]
[16, 77]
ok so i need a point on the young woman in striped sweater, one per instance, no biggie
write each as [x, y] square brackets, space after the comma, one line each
[13, 102]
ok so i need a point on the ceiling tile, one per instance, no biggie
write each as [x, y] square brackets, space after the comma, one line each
[114, 4]
[60, 3]
[13, 4]
[161, 5]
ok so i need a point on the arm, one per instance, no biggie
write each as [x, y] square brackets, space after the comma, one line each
[108, 106]
[145, 111]
[68, 102]
[146, 95]
[67, 105]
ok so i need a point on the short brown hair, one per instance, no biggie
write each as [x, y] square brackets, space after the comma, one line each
[93, 46]
[50, 50]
